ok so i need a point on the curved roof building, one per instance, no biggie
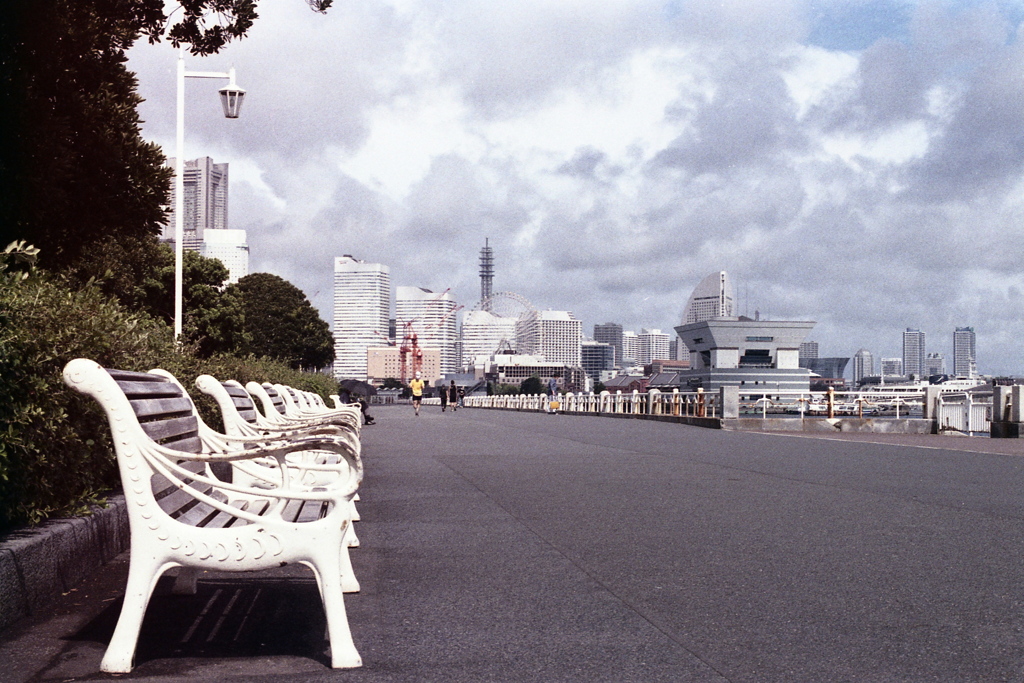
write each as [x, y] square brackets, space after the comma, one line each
[712, 298]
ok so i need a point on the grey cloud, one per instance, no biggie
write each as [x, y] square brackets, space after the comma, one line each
[511, 55]
[749, 119]
[864, 246]
[584, 163]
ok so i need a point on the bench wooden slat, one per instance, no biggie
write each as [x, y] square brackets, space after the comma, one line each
[157, 408]
[130, 376]
[199, 514]
[191, 444]
[311, 511]
[221, 519]
[149, 389]
[171, 429]
[275, 398]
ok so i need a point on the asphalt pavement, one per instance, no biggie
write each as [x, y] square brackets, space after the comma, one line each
[504, 546]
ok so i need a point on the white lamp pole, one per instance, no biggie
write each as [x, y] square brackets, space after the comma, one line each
[231, 99]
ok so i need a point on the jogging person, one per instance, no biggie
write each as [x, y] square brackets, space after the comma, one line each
[417, 392]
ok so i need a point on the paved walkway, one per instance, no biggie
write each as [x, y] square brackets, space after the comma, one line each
[501, 546]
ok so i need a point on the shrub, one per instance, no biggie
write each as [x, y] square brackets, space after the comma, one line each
[56, 456]
[55, 450]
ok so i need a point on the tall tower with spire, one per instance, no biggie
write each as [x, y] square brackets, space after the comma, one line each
[486, 274]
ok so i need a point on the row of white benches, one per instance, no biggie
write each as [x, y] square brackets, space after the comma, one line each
[294, 471]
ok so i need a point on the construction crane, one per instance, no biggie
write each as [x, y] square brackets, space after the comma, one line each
[410, 355]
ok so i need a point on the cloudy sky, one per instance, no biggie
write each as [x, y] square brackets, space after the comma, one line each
[859, 163]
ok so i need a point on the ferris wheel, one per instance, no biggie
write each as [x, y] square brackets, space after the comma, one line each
[506, 305]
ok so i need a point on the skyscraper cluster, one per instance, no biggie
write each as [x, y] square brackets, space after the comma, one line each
[362, 299]
[917, 361]
[205, 217]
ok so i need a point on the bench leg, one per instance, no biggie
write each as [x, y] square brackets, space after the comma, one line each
[142, 578]
[349, 582]
[343, 651]
[350, 539]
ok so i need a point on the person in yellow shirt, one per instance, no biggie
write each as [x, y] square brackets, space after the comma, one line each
[417, 385]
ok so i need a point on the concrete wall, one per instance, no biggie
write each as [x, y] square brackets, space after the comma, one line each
[38, 564]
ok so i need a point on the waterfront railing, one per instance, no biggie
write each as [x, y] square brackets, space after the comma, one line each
[961, 412]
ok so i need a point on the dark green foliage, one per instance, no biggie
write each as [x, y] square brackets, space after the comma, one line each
[598, 387]
[532, 385]
[140, 274]
[74, 169]
[281, 323]
[214, 321]
[55, 449]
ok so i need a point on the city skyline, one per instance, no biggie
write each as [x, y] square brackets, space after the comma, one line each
[962, 345]
[615, 153]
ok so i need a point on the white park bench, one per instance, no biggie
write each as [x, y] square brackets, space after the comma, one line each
[276, 410]
[181, 515]
[242, 419]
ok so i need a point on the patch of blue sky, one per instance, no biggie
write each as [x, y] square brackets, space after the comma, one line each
[853, 25]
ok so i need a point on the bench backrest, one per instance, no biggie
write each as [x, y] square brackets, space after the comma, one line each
[275, 397]
[164, 412]
[242, 401]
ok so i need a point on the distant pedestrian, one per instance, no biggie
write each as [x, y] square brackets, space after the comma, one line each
[416, 386]
[442, 391]
[462, 397]
[365, 408]
[453, 395]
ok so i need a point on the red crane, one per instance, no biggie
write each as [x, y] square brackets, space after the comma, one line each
[410, 349]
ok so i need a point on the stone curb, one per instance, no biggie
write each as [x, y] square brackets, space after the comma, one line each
[38, 564]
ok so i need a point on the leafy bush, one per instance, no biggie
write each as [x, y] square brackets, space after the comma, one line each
[56, 456]
[55, 450]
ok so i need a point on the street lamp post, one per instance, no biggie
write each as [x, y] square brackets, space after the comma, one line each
[231, 99]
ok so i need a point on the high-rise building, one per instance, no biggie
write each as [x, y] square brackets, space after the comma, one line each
[362, 306]
[652, 345]
[964, 359]
[483, 334]
[809, 349]
[934, 364]
[913, 353]
[892, 367]
[384, 362]
[556, 335]
[610, 333]
[597, 357]
[204, 204]
[630, 348]
[711, 298]
[432, 317]
[230, 248]
[863, 365]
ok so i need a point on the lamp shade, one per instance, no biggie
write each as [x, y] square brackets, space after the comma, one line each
[231, 99]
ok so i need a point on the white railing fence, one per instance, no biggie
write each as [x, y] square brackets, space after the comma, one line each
[653, 402]
[964, 412]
